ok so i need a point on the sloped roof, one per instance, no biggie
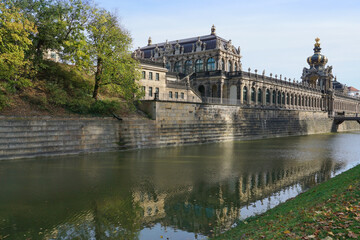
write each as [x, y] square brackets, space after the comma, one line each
[352, 89]
[187, 43]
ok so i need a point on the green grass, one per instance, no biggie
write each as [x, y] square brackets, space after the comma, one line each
[330, 210]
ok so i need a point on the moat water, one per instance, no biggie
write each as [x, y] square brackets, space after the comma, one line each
[190, 192]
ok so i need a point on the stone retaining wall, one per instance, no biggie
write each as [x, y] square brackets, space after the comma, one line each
[31, 137]
[174, 124]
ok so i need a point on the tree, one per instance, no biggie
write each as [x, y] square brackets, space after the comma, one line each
[108, 50]
[60, 24]
[15, 30]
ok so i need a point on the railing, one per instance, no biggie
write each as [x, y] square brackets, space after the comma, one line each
[224, 101]
[173, 97]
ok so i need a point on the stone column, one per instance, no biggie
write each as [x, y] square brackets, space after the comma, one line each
[241, 93]
[264, 96]
[249, 94]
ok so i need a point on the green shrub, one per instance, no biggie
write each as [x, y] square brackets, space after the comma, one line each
[105, 107]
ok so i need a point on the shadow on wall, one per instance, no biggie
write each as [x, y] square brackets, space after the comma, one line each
[335, 127]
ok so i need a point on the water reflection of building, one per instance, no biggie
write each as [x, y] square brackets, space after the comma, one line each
[208, 208]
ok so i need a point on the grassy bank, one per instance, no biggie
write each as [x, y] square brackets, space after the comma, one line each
[330, 210]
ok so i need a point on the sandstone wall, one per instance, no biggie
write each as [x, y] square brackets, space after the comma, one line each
[174, 124]
[192, 123]
[30, 137]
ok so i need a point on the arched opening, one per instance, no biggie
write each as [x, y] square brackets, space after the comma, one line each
[267, 96]
[283, 98]
[245, 94]
[288, 99]
[202, 90]
[188, 67]
[214, 91]
[259, 100]
[274, 97]
[233, 94]
[253, 96]
[279, 98]
[211, 64]
[229, 66]
[199, 65]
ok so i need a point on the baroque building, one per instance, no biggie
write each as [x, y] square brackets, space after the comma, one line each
[210, 68]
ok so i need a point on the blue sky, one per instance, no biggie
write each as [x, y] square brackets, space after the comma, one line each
[275, 35]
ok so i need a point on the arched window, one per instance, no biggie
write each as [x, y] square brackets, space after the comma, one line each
[188, 67]
[245, 94]
[229, 66]
[177, 67]
[288, 99]
[253, 96]
[211, 64]
[259, 96]
[292, 99]
[199, 65]
[168, 66]
[236, 67]
[283, 98]
[267, 96]
[274, 97]
[295, 100]
[279, 98]
[222, 64]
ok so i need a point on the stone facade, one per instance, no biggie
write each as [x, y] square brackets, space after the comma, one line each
[158, 83]
[213, 69]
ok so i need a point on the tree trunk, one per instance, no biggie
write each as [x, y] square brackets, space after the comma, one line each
[97, 78]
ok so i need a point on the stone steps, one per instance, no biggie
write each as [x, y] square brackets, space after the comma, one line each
[37, 137]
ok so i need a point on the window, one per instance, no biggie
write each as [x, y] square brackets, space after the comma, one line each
[236, 67]
[150, 76]
[279, 98]
[245, 94]
[267, 96]
[211, 64]
[283, 98]
[182, 95]
[177, 67]
[157, 93]
[143, 75]
[53, 55]
[150, 91]
[176, 95]
[143, 88]
[157, 77]
[274, 97]
[199, 65]
[253, 96]
[170, 94]
[188, 67]
[168, 66]
[259, 96]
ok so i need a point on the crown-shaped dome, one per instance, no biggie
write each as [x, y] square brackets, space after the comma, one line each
[317, 59]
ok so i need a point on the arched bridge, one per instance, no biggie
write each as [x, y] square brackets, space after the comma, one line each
[340, 119]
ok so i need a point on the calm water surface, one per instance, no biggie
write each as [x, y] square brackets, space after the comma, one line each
[177, 193]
